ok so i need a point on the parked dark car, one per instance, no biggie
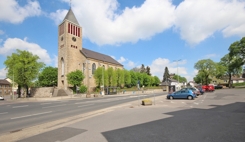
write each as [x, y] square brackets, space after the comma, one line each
[182, 94]
[218, 87]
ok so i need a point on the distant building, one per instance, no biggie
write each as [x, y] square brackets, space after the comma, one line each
[5, 87]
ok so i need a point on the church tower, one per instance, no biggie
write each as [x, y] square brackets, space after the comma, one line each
[69, 46]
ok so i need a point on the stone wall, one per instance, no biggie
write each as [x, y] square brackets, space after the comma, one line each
[42, 92]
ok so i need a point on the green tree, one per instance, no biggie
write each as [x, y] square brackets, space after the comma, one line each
[142, 69]
[111, 77]
[199, 78]
[140, 78]
[146, 79]
[48, 77]
[23, 67]
[166, 75]
[98, 76]
[156, 81]
[148, 70]
[237, 50]
[180, 78]
[75, 79]
[120, 78]
[134, 78]
[229, 66]
[207, 68]
[127, 78]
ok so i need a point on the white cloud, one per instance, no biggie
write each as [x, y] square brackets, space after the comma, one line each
[11, 44]
[158, 67]
[200, 19]
[131, 64]
[196, 20]
[105, 26]
[3, 73]
[121, 60]
[12, 12]
[210, 56]
[58, 16]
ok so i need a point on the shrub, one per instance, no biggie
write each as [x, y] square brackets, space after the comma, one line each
[83, 89]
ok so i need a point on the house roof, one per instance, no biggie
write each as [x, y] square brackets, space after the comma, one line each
[71, 17]
[172, 80]
[164, 83]
[98, 56]
[237, 78]
[4, 82]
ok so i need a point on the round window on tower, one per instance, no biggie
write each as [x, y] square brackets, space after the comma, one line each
[74, 39]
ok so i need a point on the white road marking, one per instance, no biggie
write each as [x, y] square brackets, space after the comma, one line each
[85, 105]
[196, 103]
[20, 106]
[191, 106]
[80, 103]
[172, 102]
[32, 115]
[45, 103]
[183, 102]
[54, 106]
[3, 112]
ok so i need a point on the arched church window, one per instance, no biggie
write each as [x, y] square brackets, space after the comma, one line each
[62, 67]
[84, 66]
[93, 68]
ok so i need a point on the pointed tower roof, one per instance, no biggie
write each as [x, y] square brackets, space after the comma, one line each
[71, 17]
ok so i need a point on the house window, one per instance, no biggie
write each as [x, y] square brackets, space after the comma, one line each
[93, 68]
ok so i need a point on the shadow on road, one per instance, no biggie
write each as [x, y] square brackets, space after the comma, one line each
[221, 123]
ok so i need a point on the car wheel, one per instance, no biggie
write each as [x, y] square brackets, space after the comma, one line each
[190, 97]
[171, 97]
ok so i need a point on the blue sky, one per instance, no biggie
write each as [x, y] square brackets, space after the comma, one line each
[134, 32]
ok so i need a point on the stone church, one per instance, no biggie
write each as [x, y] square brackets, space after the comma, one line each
[72, 56]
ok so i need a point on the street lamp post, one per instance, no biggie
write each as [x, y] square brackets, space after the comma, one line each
[177, 69]
[13, 84]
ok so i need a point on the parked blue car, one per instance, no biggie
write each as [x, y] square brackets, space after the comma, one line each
[182, 94]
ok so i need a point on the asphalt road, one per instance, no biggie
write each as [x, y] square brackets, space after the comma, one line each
[16, 116]
[213, 117]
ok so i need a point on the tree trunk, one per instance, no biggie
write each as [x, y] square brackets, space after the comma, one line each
[229, 82]
[18, 91]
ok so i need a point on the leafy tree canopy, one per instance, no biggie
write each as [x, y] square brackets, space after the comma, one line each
[75, 78]
[207, 68]
[23, 67]
[48, 77]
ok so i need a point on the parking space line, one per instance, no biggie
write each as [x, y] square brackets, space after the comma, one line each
[20, 106]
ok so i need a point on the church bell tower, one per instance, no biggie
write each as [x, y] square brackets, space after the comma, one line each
[69, 46]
